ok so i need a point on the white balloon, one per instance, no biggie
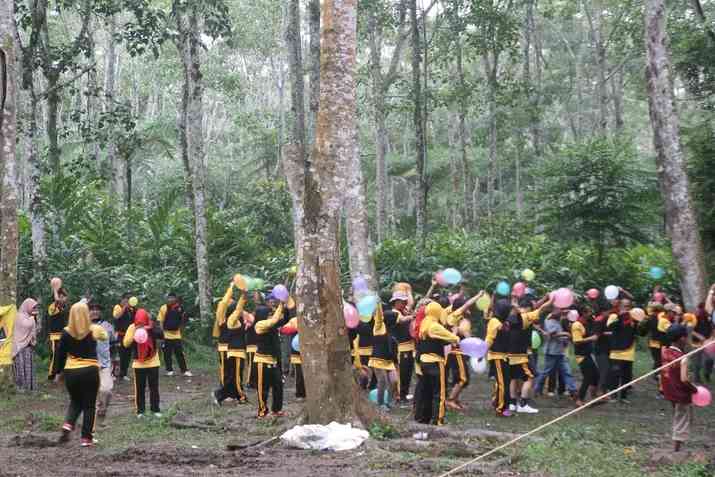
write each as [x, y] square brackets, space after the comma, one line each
[611, 292]
[478, 365]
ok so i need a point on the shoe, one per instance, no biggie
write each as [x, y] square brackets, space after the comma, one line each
[505, 413]
[140, 415]
[169, 373]
[86, 442]
[410, 397]
[261, 416]
[188, 374]
[526, 409]
[550, 394]
[214, 398]
[278, 414]
[578, 403]
[512, 407]
[126, 378]
[158, 415]
[453, 405]
[65, 436]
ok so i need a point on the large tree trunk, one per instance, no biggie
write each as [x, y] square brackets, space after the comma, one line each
[374, 31]
[53, 103]
[37, 219]
[314, 76]
[680, 217]
[617, 90]
[418, 124]
[113, 166]
[595, 22]
[490, 70]
[464, 169]
[332, 392]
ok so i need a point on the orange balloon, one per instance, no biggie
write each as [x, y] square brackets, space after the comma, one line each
[240, 282]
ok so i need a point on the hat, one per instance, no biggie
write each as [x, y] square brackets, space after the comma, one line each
[399, 295]
[675, 332]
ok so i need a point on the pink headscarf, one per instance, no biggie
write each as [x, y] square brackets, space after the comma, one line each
[26, 327]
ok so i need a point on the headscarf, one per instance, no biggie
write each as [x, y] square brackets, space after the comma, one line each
[144, 350]
[25, 328]
[79, 322]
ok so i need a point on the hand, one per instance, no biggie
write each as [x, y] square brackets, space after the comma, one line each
[58, 379]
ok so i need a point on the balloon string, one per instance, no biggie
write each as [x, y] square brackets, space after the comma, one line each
[573, 411]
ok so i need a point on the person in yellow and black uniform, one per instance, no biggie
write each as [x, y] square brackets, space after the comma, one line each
[583, 338]
[269, 378]
[363, 351]
[655, 326]
[58, 314]
[458, 322]
[76, 359]
[123, 314]
[146, 361]
[405, 343]
[430, 406]
[497, 339]
[225, 307]
[384, 354]
[623, 348]
[291, 330]
[252, 346]
[172, 318]
[235, 357]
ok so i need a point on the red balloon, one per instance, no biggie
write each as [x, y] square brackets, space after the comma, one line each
[352, 319]
[441, 281]
[659, 297]
[518, 289]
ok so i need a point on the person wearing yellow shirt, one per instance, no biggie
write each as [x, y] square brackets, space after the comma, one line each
[58, 315]
[172, 318]
[232, 382]
[269, 378]
[623, 348]
[291, 330]
[220, 333]
[497, 339]
[655, 325]
[123, 314]
[146, 361]
[458, 322]
[384, 354]
[405, 343]
[433, 337]
[583, 338]
[76, 360]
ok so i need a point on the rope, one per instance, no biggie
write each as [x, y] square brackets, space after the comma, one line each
[572, 412]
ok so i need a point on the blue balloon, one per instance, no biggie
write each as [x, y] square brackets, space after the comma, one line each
[452, 276]
[656, 273]
[503, 288]
[367, 305]
[295, 343]
[372, 396]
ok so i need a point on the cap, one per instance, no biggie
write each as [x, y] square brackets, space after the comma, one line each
[399, 295]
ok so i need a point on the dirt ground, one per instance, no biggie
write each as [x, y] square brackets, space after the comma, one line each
[194, 437]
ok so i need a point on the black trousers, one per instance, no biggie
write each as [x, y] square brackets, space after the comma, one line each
[52, 349]
[417, 405]
[269, 380]
[252, 371]
[125, 357]
[406, 362]
[82, 385]
[499, 370]
[142, 376]
[555, 380]
[232, 383]
[621, 373]
[176, 347]
[299, 381]
[433, 394]
[458, 369]
[589, 373]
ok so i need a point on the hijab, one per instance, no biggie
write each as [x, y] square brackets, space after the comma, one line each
[144, 350]
[79, 321]
[25, 328]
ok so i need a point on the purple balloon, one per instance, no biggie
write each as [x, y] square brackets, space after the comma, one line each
[473, 347]
[280, 292]
[360, 284]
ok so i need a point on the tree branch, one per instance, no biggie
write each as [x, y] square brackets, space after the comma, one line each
[59, 86]
[700, 13]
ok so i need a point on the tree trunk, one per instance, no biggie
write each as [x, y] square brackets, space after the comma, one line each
[332, 393]
[680, 216]
[374, 27]
[314, 55]
[53, 102]
[418, 124]
[116, 186]
[37, 219]
[617, 90]
[92, 110]
[464, 169]
[490, 70]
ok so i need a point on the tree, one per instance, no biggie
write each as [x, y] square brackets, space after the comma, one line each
[418, 124]
[682, 224]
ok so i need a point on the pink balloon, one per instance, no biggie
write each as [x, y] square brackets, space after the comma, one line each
[350, 313]
[572, 315]
[140, 336]
[518, 289]
[593, 293]
[441, 281]
[703, 397]
[563, 298]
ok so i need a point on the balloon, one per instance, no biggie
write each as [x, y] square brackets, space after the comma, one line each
[528, 275]
[295, 343]
[367, 305]
[519, 289]
[441, 281]
[710, 348]
[239, 282]
[293, 270]
[280, 292]
[656, 273]
[140, 336]
[478, 365]
[452, 276]
[503, 288]
[535, 340]
[611, 292]
[258, 283]
[373, 396]
[563, 298]
[703, 397]
[359, 284]
[473, 347]
[56, 283]
[637, 314]
[659, 297]
[483, 302]
[572, 315]
[351, 316]
[133, 301]
[593, 294]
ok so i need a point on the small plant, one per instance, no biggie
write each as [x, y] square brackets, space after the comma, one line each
[383, 431]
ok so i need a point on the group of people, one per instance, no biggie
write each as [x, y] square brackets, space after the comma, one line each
[402, 337]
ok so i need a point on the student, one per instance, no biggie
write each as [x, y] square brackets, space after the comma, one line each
[497, 339]
[123, 314]
[459, 323]
[676, 384]
[58, 314]
[269, 378]
[106, 381]
[220, 333]
[384, 354]
[24, 340]
[76, 359]
[623, 348]
[172, 318]
[655, 325]
[557, 339]
[583, 339]
[235, 358]
[290, 330]
[146, 361]
[405, 344]
[433, 337]
[702, 331]
[363, 351]
[252, 345]
[602, 350]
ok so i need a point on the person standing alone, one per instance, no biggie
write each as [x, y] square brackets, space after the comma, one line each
[172, 318]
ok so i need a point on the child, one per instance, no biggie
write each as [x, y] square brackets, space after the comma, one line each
[459, 323]
[172, 317]
[76, 359]
[498, 356]
[232, 382]
[363, 351]
[555, 354]
[146, 361]
[123, 314]
[676, 384]
[269, 377]
[290, 330]
[58, 313]
[225, 307]
[583, 338]
[623, 348]
[106, 381]
[384, 354]
[405, 343]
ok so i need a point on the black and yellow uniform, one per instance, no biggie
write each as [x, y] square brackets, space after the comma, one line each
[362, 350]
[581, 336]
[654, 326]
[123, 317]
[520, 330]
[296, 360]
[602, 350]
[76, 359]
[433, 337]
[497, 339]
[225, 307]
[405, 354]
[232, 383]
[146, 369]
[172, 317]
[623, 350]
[456, 362]
[58, 315]
[251, 348]
[384, 351]
[269, 378]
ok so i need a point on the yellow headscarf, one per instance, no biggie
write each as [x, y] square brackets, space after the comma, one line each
[79, 321]
[433, 314]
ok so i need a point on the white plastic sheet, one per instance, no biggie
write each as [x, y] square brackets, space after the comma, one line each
[334, 437]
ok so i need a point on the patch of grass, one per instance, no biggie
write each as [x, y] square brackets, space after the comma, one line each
[383, 431]
[48, 422]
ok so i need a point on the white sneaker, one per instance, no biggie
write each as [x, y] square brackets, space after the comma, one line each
[512, 407]
[188, 374]
[169, 373]
[140, 416]
[157, 415]
[126, 378]
[410, 397]
[526, 409]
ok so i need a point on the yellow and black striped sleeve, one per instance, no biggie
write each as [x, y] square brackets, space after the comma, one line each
[233, 320]
[439, 332]
[264, 326]
[493, 328]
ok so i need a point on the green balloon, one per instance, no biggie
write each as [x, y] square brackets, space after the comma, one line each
[535, 340]
[258, 283]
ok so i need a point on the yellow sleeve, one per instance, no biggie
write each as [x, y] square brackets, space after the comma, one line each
[221, 310]
[264, 326]
[529, 318]
[117, 311]
[439, 332]
[52, 309]
[162, 314]
[378, 329]
[98, 333]
[454, 317]
[293, 323]
[612, 318]
[577, 332]
[233, 320]
[129, 336]
[663, 324]
[493, 328]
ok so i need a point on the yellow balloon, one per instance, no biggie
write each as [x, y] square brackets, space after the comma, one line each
[483, 302]
[240, 282]
[133, 301]
[528, 275]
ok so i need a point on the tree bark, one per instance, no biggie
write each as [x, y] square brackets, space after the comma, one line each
[464, 168]
[681, 220]
[314, 54]
[617, 93]
[490, 70]
[595, 22]
[116, 184]
[418, 124]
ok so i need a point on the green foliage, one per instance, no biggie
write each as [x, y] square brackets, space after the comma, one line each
[383, 431]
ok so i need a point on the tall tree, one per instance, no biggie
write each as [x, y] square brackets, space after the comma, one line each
[314, 55]
[418, 124]
[680, 216]
[113, 165]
